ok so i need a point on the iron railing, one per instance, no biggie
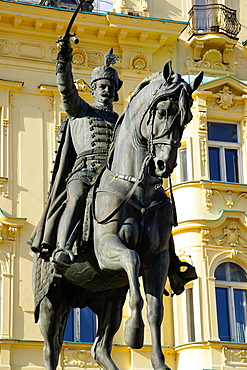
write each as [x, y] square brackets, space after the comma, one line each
[213, 18]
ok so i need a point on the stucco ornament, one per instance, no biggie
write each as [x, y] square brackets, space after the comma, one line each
[139, 62]
[225, 99]
[232, 236]
[79, 58]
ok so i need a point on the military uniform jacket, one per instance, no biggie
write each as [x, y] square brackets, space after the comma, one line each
[84, 144]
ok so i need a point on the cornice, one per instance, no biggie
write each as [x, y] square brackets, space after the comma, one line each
[21, 19]
[12, 86]
[11, 221]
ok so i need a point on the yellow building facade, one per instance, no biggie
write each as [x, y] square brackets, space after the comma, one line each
[205, 328]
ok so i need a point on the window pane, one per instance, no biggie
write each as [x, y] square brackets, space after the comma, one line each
[190, 315]
[236, 273]
[223, 314]
[231, 156]
[220, 272]
[69, 331]
[81, 326]
[240, 312]
[183, 164]
[87, 325]
[214, 163]
[222, 132]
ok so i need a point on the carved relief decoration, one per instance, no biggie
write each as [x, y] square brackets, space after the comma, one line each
[12, 232]
[79, 58]
[225, 99]
[5, 126]
[11, 100]
[81, 85]
[203, 148]
[231, 236]
[50, 103]
[4, 47]
[202, 120]
[208, 198]
[227, 199]
[237, 357]
[205, 235]
[53, 53]
[80, 358]
[211, 64]
[95, 59]
[144, 5]
[139, 62]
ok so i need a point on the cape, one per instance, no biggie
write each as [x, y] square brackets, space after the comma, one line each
[44, 233]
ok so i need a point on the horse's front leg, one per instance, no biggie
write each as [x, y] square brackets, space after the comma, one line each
[155, 272]
[52, 321]
[112, 254]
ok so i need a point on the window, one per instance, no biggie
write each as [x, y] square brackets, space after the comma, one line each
[81, 326]
[190, 314]
[223, 148]
[183, 164]
[231, 298]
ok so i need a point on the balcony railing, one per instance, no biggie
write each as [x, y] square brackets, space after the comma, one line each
[213, 18]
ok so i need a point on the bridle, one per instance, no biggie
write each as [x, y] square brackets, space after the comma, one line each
[151, 142]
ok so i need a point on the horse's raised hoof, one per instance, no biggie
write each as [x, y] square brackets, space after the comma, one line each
[134, 337]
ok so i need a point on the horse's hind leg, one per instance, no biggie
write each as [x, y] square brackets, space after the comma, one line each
[112, 254]
[109, 314]
[155, 272]
[52, 322]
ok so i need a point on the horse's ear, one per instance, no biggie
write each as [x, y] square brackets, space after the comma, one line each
[197, 81]
[167, 70]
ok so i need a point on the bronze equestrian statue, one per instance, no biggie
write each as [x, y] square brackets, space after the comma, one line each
[130, 235]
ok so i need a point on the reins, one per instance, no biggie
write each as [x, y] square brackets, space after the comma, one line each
[126, 198]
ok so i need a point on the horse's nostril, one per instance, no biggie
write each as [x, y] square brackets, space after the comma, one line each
[160, 165]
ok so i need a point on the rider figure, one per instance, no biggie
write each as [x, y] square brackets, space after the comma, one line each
[85, 141]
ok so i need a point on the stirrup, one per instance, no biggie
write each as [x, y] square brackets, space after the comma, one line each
[62, 257]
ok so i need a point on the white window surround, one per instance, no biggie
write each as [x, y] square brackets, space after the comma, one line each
[222, 145]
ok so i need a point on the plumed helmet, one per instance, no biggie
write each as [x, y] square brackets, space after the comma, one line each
[107, 72]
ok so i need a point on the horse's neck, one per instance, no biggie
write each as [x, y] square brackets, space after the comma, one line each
[128, 157]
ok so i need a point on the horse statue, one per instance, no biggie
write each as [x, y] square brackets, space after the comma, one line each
[132, 224]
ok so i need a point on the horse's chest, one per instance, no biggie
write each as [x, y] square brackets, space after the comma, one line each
[146, 227]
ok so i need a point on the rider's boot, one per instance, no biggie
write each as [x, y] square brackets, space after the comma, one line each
[62, 259]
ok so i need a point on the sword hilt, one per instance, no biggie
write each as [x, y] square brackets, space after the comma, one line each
[67, 37]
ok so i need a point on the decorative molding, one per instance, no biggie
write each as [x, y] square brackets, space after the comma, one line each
[225, 99]
[53, 53]
[139, 62]
[50, 103]
[5, 47]
[81, 85]
[204, 235]
[3, 181]
[30, 50]
[211, 64]
[235, 357]
[227, 199]
[79, 58]
[231, 236]
[144, 5]
[12, 232]
[203, 149]
[95, 59]
[5, 126]
[11, 100]
[208, 199]
[80, 358]
[202, 120]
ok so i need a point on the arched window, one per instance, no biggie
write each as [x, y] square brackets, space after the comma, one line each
[231, 299]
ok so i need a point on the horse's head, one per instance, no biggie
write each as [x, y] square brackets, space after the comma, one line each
[167, 114]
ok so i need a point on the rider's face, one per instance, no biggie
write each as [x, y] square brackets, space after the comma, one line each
[104, 91]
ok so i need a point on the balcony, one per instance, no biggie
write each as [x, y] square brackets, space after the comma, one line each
[213, 19]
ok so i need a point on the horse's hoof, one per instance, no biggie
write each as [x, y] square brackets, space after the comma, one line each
[133, 337]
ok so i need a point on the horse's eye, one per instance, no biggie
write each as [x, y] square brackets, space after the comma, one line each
[161, 113]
